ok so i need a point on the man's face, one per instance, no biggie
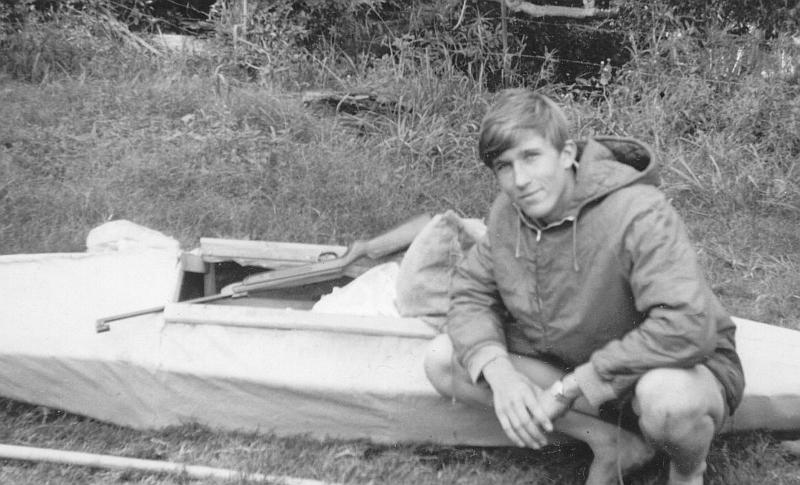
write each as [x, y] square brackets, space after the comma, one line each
[536, 176]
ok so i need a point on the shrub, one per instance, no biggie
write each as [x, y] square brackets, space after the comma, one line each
[70, 41]
[718, 112]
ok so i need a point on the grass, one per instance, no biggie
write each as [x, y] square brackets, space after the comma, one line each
[93, 128]
[740, 459]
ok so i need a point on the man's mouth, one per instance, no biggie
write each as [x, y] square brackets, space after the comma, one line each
[530, 196]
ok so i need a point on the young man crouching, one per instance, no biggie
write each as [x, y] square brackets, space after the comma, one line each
[585, 295]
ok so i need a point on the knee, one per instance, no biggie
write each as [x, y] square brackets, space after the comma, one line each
[668, 409]
[438, 364]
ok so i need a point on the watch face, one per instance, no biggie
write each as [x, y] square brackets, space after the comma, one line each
[558, 393]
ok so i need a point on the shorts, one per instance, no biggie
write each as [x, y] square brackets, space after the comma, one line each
[620, 411]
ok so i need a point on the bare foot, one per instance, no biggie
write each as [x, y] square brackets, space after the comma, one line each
[618, 458]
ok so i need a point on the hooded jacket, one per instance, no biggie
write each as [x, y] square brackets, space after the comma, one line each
[610, 291]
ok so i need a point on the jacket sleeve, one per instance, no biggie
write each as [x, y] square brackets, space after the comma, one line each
[681, 313]
[474, 320]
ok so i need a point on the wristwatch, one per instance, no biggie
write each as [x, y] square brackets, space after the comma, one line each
[562, 394]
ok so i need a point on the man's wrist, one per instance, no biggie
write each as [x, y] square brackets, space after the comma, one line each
[567, 389]
[497, 368]
[571, 386]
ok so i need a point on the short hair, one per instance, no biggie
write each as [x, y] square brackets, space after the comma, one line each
[516, 110]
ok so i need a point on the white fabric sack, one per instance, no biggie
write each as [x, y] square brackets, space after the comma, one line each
[424, 279]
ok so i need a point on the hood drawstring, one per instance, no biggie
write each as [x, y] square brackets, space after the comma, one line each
[575, 166]
[575, 265]
[519, 243]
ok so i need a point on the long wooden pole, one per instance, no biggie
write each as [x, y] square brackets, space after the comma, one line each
[28, 453]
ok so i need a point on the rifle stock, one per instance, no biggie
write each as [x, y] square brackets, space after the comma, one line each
[394, 240]
[389, 242]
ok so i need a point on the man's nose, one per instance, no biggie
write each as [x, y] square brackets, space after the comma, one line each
[521, 175]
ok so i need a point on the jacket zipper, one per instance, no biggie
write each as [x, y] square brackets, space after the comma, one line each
[536, 289]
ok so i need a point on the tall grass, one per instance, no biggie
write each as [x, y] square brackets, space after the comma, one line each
[98, 124]
[718, 111]
[224, 156]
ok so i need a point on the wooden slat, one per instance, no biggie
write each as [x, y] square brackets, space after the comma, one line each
[193, 263]
[210, 281]
[266, 253]
[267, 318]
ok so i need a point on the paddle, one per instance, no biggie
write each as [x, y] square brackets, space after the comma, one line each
[394, 240]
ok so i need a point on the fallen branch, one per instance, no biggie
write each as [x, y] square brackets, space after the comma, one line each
[28, 453]
[535, 10]
[791, 447]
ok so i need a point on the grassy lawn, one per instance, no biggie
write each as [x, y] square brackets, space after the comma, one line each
[94, 129]
[737, 459]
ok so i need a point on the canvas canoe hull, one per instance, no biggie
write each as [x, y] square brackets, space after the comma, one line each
[271, 370]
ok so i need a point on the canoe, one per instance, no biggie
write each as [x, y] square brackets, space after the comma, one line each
[268, 362]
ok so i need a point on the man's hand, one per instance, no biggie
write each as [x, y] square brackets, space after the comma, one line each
[517, 404]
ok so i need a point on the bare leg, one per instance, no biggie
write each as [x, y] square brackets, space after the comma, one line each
[679, 411]
[613, 448]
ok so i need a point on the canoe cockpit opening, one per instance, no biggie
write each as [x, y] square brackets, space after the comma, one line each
[211, 278]
[242, 284]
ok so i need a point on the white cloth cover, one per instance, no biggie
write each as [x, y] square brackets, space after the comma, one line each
[372, 293]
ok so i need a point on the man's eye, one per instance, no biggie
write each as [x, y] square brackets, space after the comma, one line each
[500, 166]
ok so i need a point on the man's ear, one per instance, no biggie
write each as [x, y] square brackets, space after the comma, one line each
[569, 154]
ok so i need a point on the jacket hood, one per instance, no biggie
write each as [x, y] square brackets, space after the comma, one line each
[606, 164]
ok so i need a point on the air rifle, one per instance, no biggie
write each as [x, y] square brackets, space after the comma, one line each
[396, 239]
